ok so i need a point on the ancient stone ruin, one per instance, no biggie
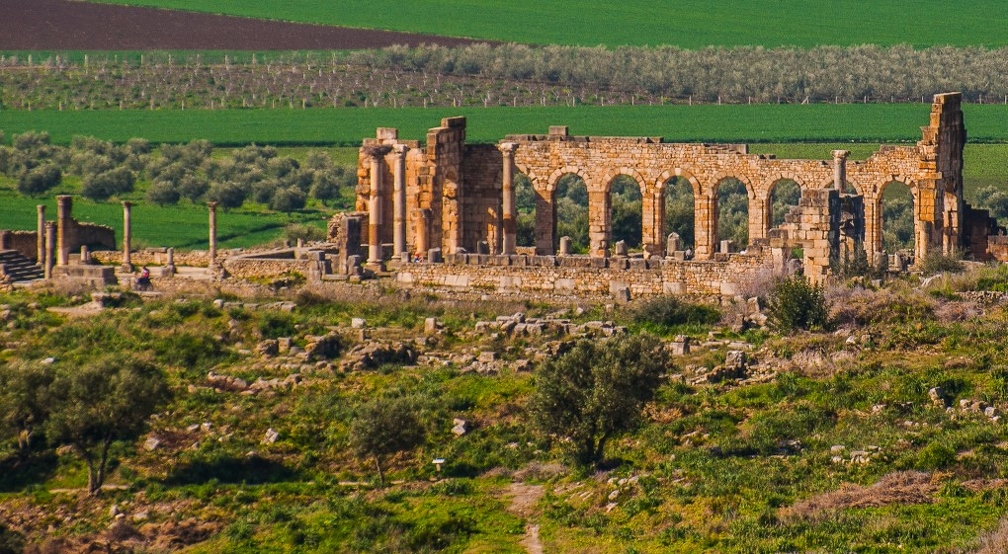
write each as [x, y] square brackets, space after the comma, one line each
[454, 201]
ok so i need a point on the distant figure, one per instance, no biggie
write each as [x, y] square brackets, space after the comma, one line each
[688, 254]
[143, 282]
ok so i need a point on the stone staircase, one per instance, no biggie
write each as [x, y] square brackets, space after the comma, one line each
[16, 267]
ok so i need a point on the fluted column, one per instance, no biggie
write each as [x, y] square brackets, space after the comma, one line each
[50, 245]
[508, 216]
[377, 154]
[213, 233]
[127, 265]
[399, 201]
[41, 235]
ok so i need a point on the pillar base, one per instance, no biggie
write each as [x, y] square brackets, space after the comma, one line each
[126, 268]
[376, 267]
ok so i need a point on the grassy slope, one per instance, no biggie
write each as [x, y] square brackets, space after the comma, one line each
[687, 23]
[712, 123]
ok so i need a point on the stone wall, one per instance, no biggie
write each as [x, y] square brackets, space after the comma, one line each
[583, 276]
[24, 242]
[154, 257]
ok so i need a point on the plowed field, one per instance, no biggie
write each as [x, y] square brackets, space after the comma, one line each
[69, 25]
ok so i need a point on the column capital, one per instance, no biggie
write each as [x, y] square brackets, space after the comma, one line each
[840, 154]
[212, 205]
[377, 151]
[400, 150]
[127, 204]
[508, 148]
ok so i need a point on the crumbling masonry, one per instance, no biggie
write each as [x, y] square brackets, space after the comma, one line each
[447, 198]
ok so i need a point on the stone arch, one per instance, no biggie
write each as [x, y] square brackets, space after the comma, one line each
[624, 217]
[740, 229]
[569, 214]
[900, 221]
[560, 172]
[778, 201]
[700, 205]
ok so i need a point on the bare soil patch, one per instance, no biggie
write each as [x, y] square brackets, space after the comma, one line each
[74, 25]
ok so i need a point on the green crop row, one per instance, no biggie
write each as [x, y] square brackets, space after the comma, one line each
[686, 23]
[698, 123]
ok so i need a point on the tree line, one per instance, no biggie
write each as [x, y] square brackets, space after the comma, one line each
[511, 75]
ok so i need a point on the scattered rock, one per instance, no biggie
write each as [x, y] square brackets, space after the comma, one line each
[268, 347]
[152, 443]
[460, 428]
[357, 323]
[271, 436]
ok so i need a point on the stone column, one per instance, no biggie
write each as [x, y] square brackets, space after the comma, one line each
[50, 245]
[127, 263]
[840, 169]
[509, 220]
[64, 205]
[40, 230]
[377, 154]
[213, 233]
[169, 268]
[399, 201]
[423, 218]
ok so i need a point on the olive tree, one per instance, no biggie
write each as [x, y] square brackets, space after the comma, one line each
[384, 427]
[107, 399]
[595, 391]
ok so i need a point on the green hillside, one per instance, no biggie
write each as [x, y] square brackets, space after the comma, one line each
[687, 23]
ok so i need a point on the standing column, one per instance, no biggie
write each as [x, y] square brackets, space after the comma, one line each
[41, 235]
[399, 201]
[127, 265]
[63, 210]
[840, 169]
[508, 215]
[377, 154]
[50, 245]
[213, 234]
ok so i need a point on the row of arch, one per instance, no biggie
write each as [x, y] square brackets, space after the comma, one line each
[731, 210]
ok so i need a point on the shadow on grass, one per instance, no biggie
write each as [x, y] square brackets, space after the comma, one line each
[17, 473]
[253, 470]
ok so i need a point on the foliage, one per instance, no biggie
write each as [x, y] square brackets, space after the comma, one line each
[625, 200]
[595, 392]
[668, 311]
[680, 211]
[24, 400]
[39, 180]
[307, 233]
[109, 398]
[107, 184]
[571, 203]
[897, 217]
[733, 212]
[795, 304]
[384, 427]
[936, 262]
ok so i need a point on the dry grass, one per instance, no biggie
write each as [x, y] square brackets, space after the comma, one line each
[995, 542]
[900, 487]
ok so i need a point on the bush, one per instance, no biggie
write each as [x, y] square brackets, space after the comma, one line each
[936, 262]
[668, 311]
[795, 304]
[288, 200]
[108, 183]
[39, 180]
[227, 195]
[307, 233]
[163, 193]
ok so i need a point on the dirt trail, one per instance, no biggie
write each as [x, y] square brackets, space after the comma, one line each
[523, 500]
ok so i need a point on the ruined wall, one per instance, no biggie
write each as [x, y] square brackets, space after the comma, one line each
[157, 257]
[92, 235]
[24, 242]
[482, 204]
[586, 277]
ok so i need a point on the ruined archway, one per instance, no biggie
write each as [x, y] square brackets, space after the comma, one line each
[896, 206]
[731, 202]
[626, 212]
[570, 206]
[784, 195]
[525, 208]
[679, 206]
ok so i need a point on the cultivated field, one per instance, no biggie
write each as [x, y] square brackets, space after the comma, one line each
[688, 23]
[711, 123]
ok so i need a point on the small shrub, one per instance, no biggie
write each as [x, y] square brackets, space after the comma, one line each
[307, 233]
[668, 311]
[795, 304]
[163, 193]
[936, 262]
[39, 180]
[275, 325]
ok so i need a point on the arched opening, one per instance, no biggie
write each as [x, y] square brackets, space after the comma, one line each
[571, 209]
[732, 213]
[680, 212]
[784, 195]
[897, 207]
[626, 211]
[525, 208]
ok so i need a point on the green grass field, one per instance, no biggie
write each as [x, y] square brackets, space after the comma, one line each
[686, 23]
[183, 226]
[710, 123]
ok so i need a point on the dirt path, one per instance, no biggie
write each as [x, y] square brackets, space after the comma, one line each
[523, 500]
[70, 25]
